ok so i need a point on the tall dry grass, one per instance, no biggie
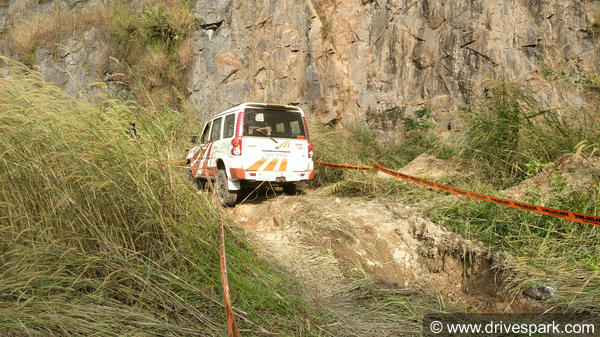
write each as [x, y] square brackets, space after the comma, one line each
[45, 28]
[99, 236]
[512, 131]
[358, 144]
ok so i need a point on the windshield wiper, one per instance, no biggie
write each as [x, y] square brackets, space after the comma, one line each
[264, 134]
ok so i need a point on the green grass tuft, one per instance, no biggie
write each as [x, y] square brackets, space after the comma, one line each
[546, 250]
[360, 145]
[511, 132]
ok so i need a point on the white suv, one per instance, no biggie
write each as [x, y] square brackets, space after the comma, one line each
[253, 143]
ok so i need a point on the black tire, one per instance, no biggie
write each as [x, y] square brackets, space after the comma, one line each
[226, 197]
[200, 183]
[290, 189]
[189, 174]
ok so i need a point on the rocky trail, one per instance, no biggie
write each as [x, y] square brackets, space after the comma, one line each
[327, 243]
[324, 240]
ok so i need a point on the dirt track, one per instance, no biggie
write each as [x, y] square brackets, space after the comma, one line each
[322, 240]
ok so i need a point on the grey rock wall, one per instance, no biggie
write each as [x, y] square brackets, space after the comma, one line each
[265, 51]
[77, 64]
[386, 53]
[78, 61]
[339, 58]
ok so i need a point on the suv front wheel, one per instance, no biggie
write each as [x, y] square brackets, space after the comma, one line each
[226, 197]
[290, 189]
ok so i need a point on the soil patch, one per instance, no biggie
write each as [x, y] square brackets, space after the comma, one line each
[323, 239]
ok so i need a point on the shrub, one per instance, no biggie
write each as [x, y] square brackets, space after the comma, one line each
[185, 53]
[511, 130]
[421, 120]
[326, 28]
[386, 119]
[359, 145]
[161, 34]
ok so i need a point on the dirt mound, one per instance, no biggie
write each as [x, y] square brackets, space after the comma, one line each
[428, 166]
[323, 239]
[571, 172]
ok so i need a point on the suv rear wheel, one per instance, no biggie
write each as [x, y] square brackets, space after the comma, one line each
[226, 197]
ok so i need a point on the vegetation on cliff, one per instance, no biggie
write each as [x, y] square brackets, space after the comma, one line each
[150, 44]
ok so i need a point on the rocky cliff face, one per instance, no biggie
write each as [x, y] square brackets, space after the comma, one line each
[340, 58]
[77, 61]
[267, 51]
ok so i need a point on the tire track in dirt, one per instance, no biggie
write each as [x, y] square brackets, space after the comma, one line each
[322, 240]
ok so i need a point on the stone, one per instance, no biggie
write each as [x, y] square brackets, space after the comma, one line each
[337, 59]
[540, 292]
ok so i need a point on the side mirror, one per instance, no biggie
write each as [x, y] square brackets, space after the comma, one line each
[194, 139]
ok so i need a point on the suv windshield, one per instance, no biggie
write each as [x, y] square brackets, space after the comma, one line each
[273, 123]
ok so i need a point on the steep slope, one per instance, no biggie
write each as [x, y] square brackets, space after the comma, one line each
[322, 239]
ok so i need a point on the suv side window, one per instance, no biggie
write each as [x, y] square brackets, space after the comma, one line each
[295, 126]
[215, 133]
[280, 128]
[204, 137]
[229, 126]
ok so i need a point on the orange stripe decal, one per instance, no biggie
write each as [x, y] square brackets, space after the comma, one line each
[283, 165]
[203, 153]
[257, 165]
[272, 165]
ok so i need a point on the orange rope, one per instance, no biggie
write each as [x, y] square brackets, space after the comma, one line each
[553, 212]
[232, 328]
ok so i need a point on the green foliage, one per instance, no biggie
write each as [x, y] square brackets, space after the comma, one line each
[591, 81]
[325, 28]
[550, 73]
[360, 146]
[546, 249]
[386, 119]
[153, 45]
[421, 120]
[152, 26]
[511, 130]
[99, 235]
[510, 136]
[578, 79]
[533, 167]
[494, 134]
[156, 26]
